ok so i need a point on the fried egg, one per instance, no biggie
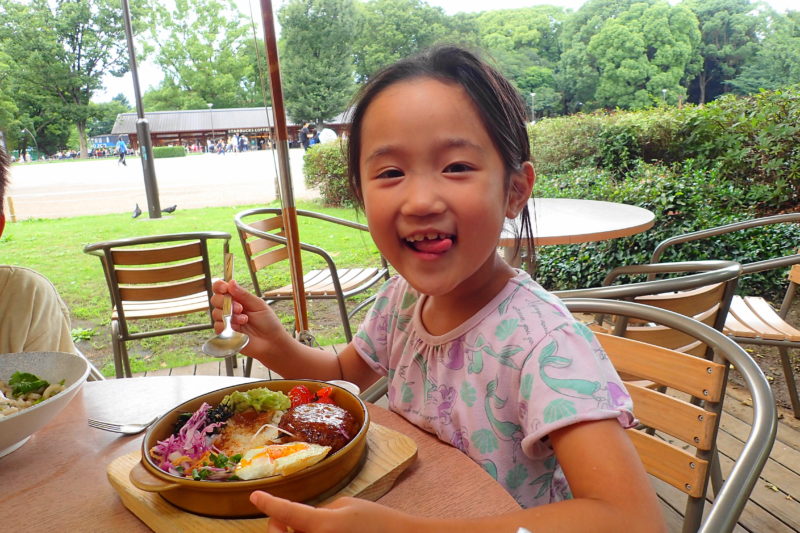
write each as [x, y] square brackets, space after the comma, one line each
[279, 459]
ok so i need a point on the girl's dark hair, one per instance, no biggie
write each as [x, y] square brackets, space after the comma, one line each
[498, 103]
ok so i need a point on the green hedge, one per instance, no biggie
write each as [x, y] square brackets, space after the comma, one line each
[751, 141]
[684, 200]
[325, 167]
[168, 151]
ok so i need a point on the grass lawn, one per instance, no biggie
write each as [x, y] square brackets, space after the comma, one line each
[54, 247]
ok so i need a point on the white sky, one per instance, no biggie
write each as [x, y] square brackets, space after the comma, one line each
[150, 75]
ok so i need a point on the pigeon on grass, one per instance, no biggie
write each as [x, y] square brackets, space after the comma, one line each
[136, 211]
[170, 209]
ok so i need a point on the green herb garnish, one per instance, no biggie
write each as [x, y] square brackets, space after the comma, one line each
[199, 475]
[24, 383]
[223, 461]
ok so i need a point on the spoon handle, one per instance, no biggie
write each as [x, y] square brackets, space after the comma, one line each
[227, 276]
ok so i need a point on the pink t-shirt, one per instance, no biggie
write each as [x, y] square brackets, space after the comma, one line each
[499, 383]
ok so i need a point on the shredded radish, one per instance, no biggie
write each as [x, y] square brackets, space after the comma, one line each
[273, 426]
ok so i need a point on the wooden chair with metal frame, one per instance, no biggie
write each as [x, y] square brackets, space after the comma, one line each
[703, 293]
[752, 320]
[263, 240]
[154, 277]
[685, 423]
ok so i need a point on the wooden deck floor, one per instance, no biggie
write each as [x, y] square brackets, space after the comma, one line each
[774, 504]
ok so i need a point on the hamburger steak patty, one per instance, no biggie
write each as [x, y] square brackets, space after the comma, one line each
[325, 424]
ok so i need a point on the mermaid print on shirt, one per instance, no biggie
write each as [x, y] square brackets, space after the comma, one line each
[498, 384]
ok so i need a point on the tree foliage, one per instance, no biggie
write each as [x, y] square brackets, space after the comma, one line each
[389, 30]
[730, 39]
[525, 44]
[316, 57]
[777, 62]
[103, 115]
[625, 54]
[208, 55]
[61, 49]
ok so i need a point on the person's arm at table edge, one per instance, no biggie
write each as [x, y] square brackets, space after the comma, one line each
[611, 490]
[611, 493]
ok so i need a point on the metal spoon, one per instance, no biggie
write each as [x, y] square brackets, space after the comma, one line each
[229, 342]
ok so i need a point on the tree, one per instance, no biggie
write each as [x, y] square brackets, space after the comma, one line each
[64, 48]
[627, 54]
[104, 115]
[8, 109]
[577, 76]
[729, 40]
[644, 51]
[389, 30]
[317, 63]
[777, 62]
[208, 55]
[525, 44]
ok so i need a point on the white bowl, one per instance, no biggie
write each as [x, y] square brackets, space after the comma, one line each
[17, 428]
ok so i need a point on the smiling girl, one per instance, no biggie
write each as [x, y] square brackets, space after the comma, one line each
[475, 351]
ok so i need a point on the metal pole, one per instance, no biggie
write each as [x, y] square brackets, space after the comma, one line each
[533, 108]
[282, 144]
[142, 126]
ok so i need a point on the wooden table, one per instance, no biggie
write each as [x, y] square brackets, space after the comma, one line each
[573, 221]
[57, 480]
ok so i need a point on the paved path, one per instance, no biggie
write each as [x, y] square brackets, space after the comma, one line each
[95, 187]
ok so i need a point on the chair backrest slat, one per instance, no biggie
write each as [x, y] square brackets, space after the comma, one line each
[268, 224]
[683, 372]
[689, 303]
[269, 258]
[133, 276]
[671, 464]
[679, 418]
[162, 292]
[794, 274]
[258, 245]
[670, 338]
[152, 256]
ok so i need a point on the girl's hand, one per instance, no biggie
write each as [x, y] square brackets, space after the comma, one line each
[252, 316]
[351, 515]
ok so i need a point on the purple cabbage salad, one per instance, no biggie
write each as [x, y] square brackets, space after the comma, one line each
[178, 452]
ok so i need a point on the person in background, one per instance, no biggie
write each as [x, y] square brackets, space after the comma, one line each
[475, 351]
[305, 136]
[314, 136]
[33, 317]
[122, 149]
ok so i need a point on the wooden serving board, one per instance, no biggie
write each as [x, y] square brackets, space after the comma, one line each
[389, 453]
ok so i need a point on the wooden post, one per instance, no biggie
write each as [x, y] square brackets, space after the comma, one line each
[12, 215]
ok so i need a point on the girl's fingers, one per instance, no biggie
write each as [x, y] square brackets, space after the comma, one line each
[295, 515]
[249, 301]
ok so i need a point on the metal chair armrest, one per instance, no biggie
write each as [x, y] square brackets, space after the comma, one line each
[721, 230]
[98, 247]
[723, 271]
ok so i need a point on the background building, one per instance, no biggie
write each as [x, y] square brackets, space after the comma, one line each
[198, 126]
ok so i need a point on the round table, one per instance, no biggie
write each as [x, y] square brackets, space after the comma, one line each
[573, 221]
[59, 475]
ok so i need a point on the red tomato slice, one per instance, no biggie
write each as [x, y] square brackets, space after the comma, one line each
[300, 395]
